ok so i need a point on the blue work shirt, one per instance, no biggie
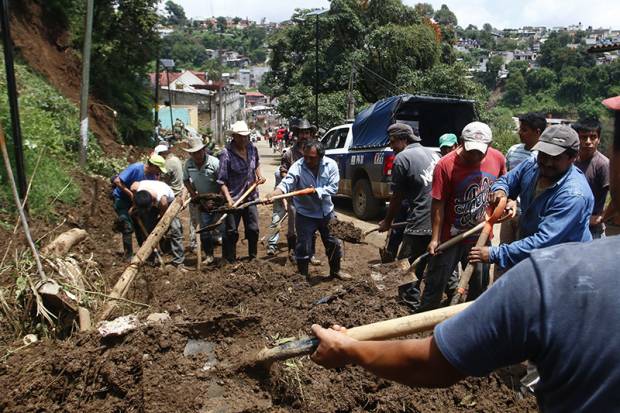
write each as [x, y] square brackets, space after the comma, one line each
[133, 173]
[299, 176]
[561, 213]
[559, 309]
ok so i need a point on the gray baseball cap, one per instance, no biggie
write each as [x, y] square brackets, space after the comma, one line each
[402, 130]
[556, 139]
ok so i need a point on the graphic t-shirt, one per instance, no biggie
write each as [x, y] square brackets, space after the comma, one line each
[465, 189]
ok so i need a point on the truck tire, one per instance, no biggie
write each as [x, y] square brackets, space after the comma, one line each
[365, 205]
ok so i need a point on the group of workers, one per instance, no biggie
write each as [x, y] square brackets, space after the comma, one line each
[555, 185]
[556, 305]
[143, 192]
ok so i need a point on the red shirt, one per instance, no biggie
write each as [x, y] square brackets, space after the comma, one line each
[465, 189]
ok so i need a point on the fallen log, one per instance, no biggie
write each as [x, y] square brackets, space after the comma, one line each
[60, 246]
[122, 285]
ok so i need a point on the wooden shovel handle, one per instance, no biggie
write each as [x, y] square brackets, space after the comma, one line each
[482, 240]
[382, 330]
[306, 191]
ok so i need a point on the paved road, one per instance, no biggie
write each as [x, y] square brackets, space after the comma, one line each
[270, 163]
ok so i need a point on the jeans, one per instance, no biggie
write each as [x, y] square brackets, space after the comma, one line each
[174, 238]
[413, 247]
[306, 228]
[276, 217]
[121, 207]
[231, 234]
[441, 275]
[396, 234]
[207, 238]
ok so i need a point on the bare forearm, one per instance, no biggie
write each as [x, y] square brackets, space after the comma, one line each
[415, 363]
[226, 194]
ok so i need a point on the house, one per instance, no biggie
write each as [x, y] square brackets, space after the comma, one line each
[245, 78]
[255, 99]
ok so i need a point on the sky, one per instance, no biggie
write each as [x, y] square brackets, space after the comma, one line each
[500, 13]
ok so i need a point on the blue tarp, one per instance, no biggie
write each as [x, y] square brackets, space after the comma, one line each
[177, 113]
[370, 126]
[429, 116]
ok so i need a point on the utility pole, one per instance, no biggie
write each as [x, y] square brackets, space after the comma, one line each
[316, 73]
[350, 97]
[157, 89]
[12, 92]
[88, 32]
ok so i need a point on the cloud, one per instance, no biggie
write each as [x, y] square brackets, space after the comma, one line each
[500, 13]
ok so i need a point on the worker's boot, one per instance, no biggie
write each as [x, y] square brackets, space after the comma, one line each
[229, 249]
[336, 272]
[252, 245]
[302, 267]
[127, 247]
[291, 242]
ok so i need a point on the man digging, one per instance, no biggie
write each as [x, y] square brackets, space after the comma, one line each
[313, 212]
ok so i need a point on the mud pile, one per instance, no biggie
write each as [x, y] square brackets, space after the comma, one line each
[217, 318]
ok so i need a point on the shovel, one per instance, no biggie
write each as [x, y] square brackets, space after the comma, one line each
[241, 207]
[496, 216]
[223, 217]
[393, 226]
[382, 330]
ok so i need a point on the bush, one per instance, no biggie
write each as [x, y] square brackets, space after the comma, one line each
[50, 130]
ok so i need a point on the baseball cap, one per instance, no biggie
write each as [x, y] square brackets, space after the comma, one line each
[159, 162]
[556, 139]
[402, 130]
[160, 148]
[447, 139]
[477, 136]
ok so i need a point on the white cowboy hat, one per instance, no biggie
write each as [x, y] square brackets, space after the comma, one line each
[239, 128]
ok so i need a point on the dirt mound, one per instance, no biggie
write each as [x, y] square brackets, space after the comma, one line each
[45, 47]
[228, 314]
[218, 318]
[345, 231]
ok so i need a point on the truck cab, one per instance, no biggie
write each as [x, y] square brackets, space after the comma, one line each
[361, 149]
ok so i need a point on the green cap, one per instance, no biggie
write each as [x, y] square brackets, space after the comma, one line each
[159, 162]
[447, 139]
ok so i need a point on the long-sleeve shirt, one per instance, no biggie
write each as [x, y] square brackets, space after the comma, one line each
[319, 204]
[238, 174]
[559, 214]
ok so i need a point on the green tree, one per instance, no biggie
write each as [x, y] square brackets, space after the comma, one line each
[424, 10]
[175, 15]
[541, 79]
[571, 90]
[514, 90]
[221, 24]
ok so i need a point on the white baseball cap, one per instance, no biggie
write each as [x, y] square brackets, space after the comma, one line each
[160, 148]
[477, 136]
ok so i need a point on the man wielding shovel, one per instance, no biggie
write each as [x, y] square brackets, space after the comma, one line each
[313, 212]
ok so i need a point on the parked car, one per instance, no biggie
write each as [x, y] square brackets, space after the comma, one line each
[361, 148]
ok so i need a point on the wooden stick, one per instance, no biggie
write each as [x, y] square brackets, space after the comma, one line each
[61, 245]
[122, 285]
[7, 163]
[236, 204]
[382, 330]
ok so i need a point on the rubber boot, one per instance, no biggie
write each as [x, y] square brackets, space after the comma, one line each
[291, 242]
[336, 272]
[252, 245]
[229, 250]
[127, 246]
[302, 267]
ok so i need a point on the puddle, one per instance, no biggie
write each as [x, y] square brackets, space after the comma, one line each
[198, 346]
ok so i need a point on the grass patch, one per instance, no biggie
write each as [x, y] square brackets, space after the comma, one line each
[50, 128]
